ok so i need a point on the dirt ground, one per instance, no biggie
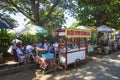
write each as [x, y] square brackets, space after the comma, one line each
[97, 67]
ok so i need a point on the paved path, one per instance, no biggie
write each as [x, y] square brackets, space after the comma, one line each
[106, 68]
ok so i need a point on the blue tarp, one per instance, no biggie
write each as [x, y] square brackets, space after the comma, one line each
[4, 24]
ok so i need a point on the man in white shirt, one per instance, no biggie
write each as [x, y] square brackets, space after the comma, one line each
[55, 45]
[29, 49]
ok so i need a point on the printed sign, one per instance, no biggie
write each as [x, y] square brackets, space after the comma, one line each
[77, 33]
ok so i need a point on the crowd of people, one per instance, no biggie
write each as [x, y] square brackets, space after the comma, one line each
[26, 53]
[112, 44]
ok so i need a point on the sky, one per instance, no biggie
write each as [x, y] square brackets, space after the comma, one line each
[20, 19]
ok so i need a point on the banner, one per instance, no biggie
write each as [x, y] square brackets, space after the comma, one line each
[77, 33]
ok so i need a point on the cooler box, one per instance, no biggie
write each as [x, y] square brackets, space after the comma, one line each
[48, 56]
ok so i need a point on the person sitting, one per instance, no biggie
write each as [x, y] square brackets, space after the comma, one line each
[50, 48]
[20, 54]
[46, 46]
[38, 44]
[30, 51]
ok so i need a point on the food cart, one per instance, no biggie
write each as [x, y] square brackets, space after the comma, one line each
[69, 49]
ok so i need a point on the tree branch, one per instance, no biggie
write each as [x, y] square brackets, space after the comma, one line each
[19, 9]
[50, 12]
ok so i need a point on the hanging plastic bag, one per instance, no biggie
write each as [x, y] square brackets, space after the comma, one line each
[10, 50]
[90, 48]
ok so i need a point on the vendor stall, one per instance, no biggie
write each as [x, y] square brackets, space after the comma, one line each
[69, 50]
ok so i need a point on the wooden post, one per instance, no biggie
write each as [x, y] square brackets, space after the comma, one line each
[1, 58]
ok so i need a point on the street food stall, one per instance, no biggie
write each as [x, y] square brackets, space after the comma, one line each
[69, 49]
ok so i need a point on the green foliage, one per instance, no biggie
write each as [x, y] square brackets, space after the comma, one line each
[4, 41]
[35, 38]
[94, 37]
[29, 38]
[46, 13]
[99, 12]
[74, 25]
[51, 38]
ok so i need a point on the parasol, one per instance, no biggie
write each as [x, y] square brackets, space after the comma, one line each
[83, 27]
[31, 29]
[104, 28]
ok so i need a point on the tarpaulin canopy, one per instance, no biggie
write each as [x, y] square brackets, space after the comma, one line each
[4, 24]
[31, 29]
[83, 27]
[104, 28]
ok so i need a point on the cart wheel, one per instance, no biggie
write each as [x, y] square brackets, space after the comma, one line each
[83, 61]
[77, 63]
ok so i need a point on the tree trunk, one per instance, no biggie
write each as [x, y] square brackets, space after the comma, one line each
[35, 10]
[1, 58]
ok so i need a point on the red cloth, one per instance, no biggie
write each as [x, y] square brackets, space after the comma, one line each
[86, 47]
[41, 61]
[19, 46]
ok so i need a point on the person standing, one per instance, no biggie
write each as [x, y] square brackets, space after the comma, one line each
[55, 45]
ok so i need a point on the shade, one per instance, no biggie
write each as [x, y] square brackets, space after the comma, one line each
[31, 29]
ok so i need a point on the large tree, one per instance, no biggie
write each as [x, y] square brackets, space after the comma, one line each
[99, 12]
[41, 12]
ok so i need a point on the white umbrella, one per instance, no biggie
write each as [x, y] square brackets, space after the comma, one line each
[83, 27]
[31, 29]
[104, 28]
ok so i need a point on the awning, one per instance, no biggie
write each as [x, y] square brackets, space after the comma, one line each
[4, 24]
[31, 29]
